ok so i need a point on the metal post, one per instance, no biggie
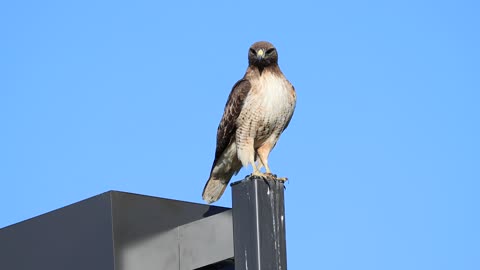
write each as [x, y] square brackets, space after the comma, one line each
[259, 224]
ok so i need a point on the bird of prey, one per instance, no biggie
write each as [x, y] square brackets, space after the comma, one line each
[258, 110]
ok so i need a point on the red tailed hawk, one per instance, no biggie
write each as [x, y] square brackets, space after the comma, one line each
[258, 110]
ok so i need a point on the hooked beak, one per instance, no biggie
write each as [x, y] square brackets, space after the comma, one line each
[260, 54]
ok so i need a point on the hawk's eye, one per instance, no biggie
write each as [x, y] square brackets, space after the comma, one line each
[252, 51]
[270, 51]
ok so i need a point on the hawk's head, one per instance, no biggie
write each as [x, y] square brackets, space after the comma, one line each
[262, 54]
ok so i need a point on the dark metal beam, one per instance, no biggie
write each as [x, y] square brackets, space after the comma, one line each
[259, 224]
[206, 241]
[121, 231]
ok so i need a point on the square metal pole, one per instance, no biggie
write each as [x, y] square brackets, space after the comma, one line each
[259, 224]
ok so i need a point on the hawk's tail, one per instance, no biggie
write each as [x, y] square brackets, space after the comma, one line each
[223, 168]
[214, 189]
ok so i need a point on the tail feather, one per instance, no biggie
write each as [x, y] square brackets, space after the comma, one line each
[214, 189]
[223, 168]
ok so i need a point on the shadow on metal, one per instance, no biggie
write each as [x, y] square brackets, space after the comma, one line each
[223, 265]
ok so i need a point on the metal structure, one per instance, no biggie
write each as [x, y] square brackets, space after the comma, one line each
[125, 231]
[259, 224]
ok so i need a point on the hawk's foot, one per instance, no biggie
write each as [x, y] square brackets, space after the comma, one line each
[258, 174]
[268, 176]
[274, 177]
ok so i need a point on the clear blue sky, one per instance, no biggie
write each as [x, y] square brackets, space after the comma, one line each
[382, 152]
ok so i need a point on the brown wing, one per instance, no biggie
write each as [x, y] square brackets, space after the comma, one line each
[217, 183]
[227, 127]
